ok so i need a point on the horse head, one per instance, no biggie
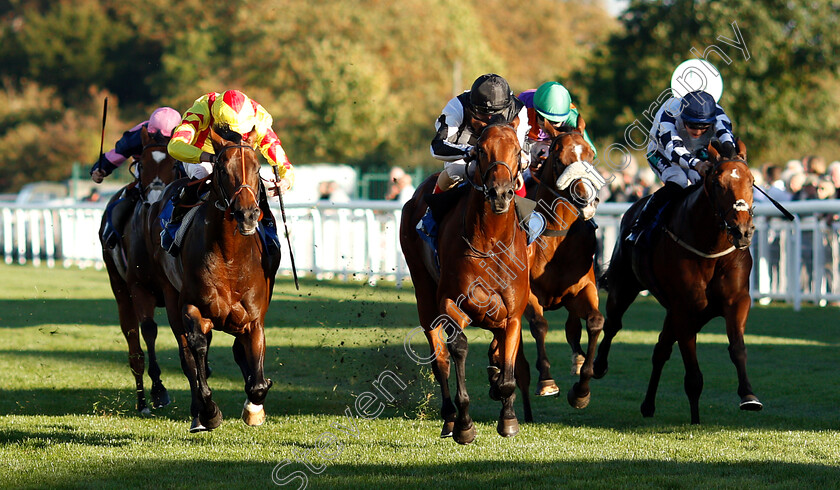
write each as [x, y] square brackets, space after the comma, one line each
[571, 170]
[236, 178]
[729, 185]
[498, 166]
[155, 168]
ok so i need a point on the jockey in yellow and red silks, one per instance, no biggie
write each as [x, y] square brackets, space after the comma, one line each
[190, 143]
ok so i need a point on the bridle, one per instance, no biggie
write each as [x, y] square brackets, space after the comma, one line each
[720, 217]
[483, 188]
[227, 205]
[138, 164]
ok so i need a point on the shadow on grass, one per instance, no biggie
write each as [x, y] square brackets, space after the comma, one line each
[446, 474]
[327, 379]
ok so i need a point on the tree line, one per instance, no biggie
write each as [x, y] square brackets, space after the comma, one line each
[362, 81]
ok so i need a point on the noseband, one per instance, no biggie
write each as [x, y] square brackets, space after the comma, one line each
[483, 188]
[228, 201]
[138, 164]
[721, 217]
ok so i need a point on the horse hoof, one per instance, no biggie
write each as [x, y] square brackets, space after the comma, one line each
[160, 398]
[196, 426]
[578, 401]
[253, 415]
[577, 362]
[464, 436]
[214, 421]
[547, 387]
[448, 427]
[648, 409]
[145, 412]
[507, 427]
[751, 403]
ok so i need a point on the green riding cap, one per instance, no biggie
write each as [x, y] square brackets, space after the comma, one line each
[553, 102]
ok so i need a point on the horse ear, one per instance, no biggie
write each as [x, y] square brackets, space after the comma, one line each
[252, 138]
[714, 151]
[581, 124]
[741, 149]
[145, 138]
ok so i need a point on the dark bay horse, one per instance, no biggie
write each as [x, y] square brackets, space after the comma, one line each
[222, 280]
[136, 290]
[561, 261]
[483, 281]
[697, 266]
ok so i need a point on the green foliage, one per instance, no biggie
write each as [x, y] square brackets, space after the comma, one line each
[783, 96]
[362, 81]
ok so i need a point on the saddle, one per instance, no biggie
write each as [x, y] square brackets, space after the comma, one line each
[532, 222]
[640, 259]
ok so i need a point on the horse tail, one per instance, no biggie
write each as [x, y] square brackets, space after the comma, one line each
[601, 275]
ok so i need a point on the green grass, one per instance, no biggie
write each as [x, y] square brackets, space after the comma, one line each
[67, 415]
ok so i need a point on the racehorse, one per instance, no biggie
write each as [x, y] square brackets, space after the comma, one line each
[222, 279]
[697, 265]
[561, 261]
[482, 280]
[136, 290]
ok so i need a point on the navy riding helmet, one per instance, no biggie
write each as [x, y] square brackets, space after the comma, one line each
[698, 107]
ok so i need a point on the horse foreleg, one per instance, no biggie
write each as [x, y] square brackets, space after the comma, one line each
[523, 380]
[585, 305]
[187, 360]
[693, 377]
[736, 321]
[144, 306]
[440, 368]
[661, 354]
[539, 329]
[573, 333]
[256, 385]
[508, 425]
[136, 359]
[196, 329]
[464, 432]
[623, 289]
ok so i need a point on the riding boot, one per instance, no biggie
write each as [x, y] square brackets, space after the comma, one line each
[651, 209]
[269, 227]
[173, 213]
[117, 213]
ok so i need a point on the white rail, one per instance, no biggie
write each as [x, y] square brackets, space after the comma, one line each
[793, 261]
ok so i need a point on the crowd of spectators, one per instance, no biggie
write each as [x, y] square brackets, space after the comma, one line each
[797, 180]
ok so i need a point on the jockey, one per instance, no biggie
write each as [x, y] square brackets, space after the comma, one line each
[160, 125]
[191, 144]
[489, 101]
[550, 112]
[681, 132]
[163, 120]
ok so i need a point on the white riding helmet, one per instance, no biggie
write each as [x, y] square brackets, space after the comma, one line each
[696, 74]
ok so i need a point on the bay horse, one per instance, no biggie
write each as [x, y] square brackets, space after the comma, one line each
[561, 261]
[482, 280]
[222, 279]
[697, 266]
[136, 290]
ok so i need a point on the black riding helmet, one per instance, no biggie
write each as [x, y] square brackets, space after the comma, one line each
[490, 94]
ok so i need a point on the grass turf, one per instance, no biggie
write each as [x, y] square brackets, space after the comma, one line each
[67, 415]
